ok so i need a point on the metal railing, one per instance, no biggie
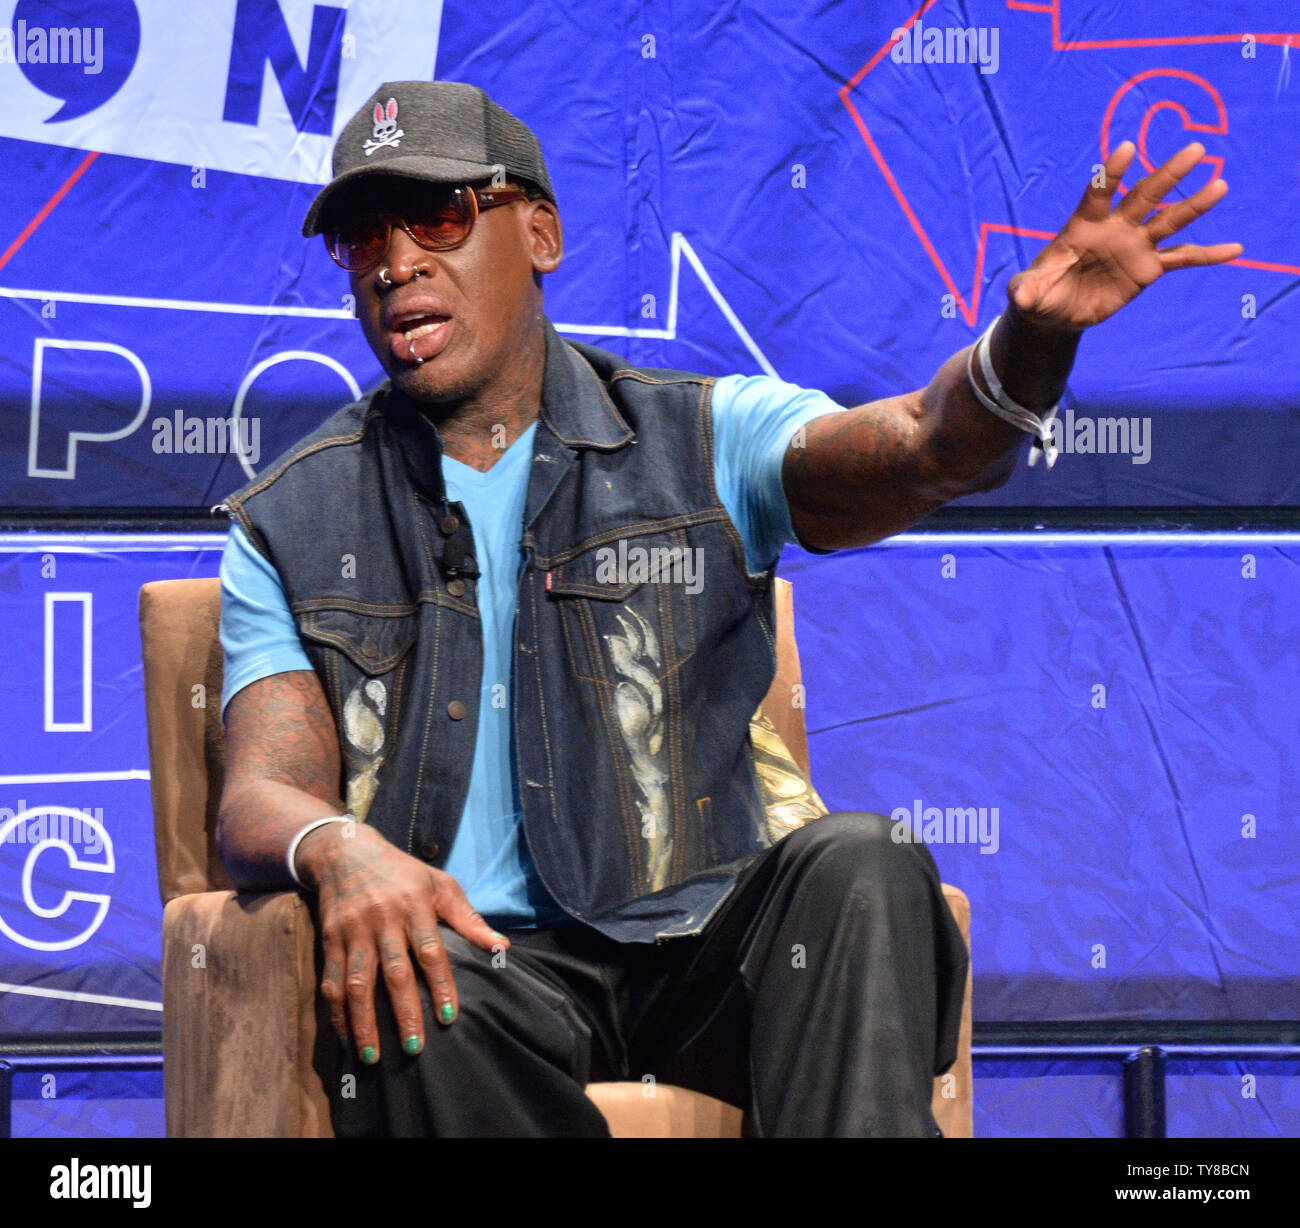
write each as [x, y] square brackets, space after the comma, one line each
[1141, 1050]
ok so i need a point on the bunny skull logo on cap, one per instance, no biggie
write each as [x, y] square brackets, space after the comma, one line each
[386, 132]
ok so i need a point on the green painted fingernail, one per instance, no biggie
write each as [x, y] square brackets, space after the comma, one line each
[369, 1056]
[412, 1045]
[498, 934]
[448, 1012]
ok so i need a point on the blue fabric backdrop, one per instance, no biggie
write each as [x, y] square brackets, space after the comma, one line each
[751, 188]
[758, 187]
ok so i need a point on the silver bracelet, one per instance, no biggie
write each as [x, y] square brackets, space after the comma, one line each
[1004, 407]
[297, 840]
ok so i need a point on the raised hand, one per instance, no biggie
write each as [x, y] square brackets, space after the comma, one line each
[1105, 256]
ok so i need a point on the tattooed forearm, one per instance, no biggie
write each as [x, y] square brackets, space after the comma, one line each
[281, 729]
[828, 472]
[856, 477]
[282, 771]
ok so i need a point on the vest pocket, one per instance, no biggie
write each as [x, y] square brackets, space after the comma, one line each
[362, 655]
[627, 606]
[373, 639]
[615, 569]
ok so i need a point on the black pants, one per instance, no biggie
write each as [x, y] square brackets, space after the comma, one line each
[823, 997]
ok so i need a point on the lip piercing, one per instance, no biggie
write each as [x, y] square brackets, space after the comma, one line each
[384, 279]
[414, 358]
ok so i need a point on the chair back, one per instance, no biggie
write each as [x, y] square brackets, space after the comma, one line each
[179, 622]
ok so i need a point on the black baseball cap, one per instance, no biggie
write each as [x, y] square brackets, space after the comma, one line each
[435, 131]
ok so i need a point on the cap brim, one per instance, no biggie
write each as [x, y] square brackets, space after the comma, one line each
[427, 169]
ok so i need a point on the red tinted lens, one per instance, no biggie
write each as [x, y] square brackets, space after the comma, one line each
[358, 245]
[443, 221]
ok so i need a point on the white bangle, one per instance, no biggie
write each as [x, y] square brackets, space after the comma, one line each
[1004, 407]
[297, 840]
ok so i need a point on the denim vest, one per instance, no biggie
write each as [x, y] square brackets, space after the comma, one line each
[642, 645]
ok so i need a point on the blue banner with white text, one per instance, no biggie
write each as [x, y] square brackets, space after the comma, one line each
[838, 196]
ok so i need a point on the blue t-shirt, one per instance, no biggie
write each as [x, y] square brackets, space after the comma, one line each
[754, 419]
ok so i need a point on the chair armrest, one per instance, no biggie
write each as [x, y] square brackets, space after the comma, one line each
[953, 1104]
[244, 1049]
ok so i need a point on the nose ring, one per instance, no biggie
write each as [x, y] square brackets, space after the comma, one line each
[384, 279]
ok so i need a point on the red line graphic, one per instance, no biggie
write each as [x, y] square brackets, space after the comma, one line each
[970, 309]
[47, 208]
[1187, 40]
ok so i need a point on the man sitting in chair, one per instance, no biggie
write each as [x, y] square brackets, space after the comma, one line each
[496, 633]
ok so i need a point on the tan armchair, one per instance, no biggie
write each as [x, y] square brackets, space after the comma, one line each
[246, 1044]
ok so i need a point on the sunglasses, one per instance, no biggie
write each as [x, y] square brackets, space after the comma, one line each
[439, 223]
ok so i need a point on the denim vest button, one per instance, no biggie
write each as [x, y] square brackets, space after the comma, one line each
[430, 849]
[456, 710]
[449, 524]
[456, 587]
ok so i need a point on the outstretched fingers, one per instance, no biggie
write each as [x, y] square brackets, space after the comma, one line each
[1097, 199]
[1172, 219]
[1149, 191]
[1148, 194]
[1192, 255]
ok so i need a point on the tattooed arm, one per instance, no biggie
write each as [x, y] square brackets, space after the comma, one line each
[869, 472]
[282, 771]
[873, 470]
[377, 904]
